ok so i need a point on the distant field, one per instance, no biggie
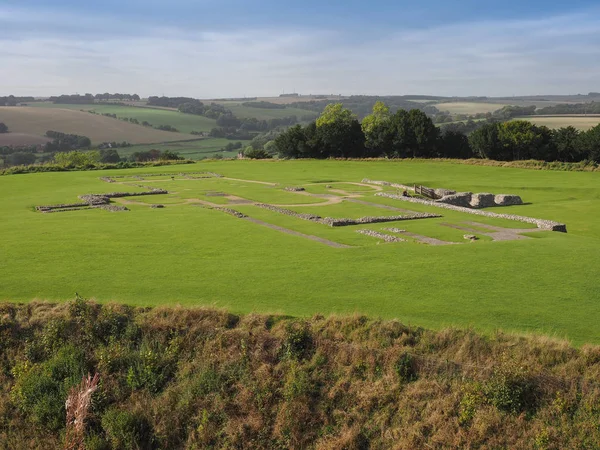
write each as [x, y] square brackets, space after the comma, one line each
[22, 139]
[265, 114]
[36, 121]
[283, 100]
[185, 123]
[468, 107]
[204, 148]
[184, 254]
[579, 122]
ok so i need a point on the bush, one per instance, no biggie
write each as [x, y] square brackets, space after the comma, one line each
[511, 389]
[253, 153]
[40, 390]
[127, 430]
[406, 368]
[298, 343]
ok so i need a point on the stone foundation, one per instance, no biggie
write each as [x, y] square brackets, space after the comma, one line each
[540, 223]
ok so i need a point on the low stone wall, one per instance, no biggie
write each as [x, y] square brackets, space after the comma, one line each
[540, 223]
[387, 183]
[113, 208]
[332, 222]
[383, 236]
[97, 200]
[231, 212]
[294, 189]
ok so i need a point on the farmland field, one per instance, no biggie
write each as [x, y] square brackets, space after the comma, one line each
[36, 121]
[197, 149]
[243, 112]
[469, 107]
[580, 122]
[185, 123]
[189, 254]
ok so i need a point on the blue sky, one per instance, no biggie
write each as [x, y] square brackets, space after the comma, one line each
[219, 48]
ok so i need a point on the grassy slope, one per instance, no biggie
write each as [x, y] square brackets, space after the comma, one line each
[194, 378]
[188, 255]
[37, 121]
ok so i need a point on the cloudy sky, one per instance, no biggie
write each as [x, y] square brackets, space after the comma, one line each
[234, 48]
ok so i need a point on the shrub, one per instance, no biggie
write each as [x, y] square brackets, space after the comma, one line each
[40, 390]
[298, 343]
[406, 368]
[253, 153]
[127, 430]
[511, 389]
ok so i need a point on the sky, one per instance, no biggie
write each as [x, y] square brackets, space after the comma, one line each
[243, 48]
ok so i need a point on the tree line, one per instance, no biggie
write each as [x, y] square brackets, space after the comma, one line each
[337, 133]
[11, 100]
[88, 99]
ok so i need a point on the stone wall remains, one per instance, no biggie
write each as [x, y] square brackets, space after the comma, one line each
[332, 222]
[383, 236]
[540, 223]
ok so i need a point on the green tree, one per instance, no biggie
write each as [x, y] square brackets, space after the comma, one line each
[335, 113]
[3, 128]
[377, 129]
[566, 141]
[485, 142]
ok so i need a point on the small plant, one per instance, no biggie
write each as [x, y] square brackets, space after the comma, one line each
[511, 388]
[298, 343]
[127, 430]
[406, 368]
[78, 406]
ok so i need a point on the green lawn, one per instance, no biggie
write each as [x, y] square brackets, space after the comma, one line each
[188, 255]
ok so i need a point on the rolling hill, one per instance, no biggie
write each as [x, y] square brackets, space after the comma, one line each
[35, 122]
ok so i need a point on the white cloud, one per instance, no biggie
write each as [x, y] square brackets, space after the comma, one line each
[553, 55]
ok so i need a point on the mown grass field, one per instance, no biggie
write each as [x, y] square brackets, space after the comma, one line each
[36, 121]
[187, 255]
[580, 122]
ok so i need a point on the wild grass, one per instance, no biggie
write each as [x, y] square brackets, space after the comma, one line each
[172, 378]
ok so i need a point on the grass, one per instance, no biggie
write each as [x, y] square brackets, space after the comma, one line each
[580, 122]
[192, 256]
[37, 120]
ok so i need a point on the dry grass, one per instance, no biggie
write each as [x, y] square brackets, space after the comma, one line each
[255, 381]
[36, 121]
